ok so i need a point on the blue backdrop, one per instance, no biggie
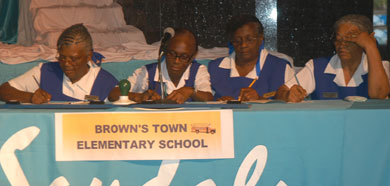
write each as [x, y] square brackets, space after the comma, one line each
[317, 143]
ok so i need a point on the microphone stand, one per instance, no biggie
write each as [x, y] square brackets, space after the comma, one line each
[168, 33]
[162, 87]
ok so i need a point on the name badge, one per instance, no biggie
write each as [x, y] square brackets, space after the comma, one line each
[330, 95]
[91, 98]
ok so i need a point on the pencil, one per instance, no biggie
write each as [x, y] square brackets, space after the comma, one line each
[253, 82]
[250, 85]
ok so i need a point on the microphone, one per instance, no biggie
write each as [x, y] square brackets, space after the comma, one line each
[168, 34]
[124, 87]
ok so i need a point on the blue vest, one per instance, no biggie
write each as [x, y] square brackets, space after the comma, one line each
[271, 78]
[155, 85]
[327, 89]
[52, 78]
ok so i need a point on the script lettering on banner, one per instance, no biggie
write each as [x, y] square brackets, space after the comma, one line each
[144, 135]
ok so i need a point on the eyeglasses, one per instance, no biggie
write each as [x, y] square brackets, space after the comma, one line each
[338, 40]
[247, 40]
[173, 55]
[72, 59]
[341, 41]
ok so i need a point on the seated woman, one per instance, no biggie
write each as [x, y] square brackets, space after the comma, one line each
[356, 69]
[184, 78]
[70, 79]
[250, 71]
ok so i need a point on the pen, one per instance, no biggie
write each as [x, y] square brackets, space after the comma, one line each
[296, 78]
[36, 81]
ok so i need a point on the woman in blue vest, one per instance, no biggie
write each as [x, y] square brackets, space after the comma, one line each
[249, 71]
[70, 79]
[184, 79]
[356, 69]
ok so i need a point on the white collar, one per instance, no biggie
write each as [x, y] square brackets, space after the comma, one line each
[334, 67]
[167, 79]
[230, 63]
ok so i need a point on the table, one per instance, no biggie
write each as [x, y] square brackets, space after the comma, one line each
[312, 143]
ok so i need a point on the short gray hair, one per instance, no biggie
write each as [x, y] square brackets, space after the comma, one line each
[361, 21]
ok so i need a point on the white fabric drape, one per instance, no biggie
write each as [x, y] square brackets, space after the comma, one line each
[42, 21]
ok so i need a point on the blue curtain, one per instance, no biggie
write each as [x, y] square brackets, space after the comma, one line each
[9, 14]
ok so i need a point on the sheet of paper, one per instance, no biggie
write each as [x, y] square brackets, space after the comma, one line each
[68, 103]
[262, 101]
